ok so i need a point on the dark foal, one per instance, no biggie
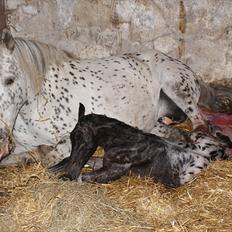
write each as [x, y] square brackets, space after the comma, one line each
[127, 148]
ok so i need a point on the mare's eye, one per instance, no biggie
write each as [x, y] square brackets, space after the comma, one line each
[9, 81]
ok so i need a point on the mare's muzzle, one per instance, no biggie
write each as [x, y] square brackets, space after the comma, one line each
[6, 145]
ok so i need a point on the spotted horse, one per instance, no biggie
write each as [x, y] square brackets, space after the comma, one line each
[41, 87]
[173, 163]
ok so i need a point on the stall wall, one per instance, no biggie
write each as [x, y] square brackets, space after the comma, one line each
[197, 32]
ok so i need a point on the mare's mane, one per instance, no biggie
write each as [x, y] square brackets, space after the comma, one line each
[35, 59]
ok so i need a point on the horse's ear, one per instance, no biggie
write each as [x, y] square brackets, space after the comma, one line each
[81, 111]
[7, 39]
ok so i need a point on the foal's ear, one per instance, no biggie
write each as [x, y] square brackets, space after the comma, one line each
[7, 39]
[81, 111]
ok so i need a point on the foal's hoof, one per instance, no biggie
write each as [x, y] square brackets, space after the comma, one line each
[59, 167]
[64, 177]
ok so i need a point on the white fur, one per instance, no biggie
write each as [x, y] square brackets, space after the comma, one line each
[125, 87]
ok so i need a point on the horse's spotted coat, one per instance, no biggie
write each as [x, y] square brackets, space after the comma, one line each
[41, 88]
[127, 148]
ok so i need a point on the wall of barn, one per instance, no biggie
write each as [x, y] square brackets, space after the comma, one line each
[197, 32]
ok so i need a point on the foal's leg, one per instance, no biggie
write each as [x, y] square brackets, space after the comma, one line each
[188, 159]
[209, 146]
[189, 166]
[186, 164]
[83, 147]
[117, 162]
[106, 173]
[200, 143]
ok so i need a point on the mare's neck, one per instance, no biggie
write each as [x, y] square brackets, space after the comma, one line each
[35, 58]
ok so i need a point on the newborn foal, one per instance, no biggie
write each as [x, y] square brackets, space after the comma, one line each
[127, 148]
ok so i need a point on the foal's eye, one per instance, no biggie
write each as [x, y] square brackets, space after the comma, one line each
[9, 81]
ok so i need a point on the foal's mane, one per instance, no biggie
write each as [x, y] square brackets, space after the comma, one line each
[35, 59]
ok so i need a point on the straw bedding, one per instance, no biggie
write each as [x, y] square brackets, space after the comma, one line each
[32, 199]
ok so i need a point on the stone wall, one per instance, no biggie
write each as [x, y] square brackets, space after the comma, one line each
[199, 32]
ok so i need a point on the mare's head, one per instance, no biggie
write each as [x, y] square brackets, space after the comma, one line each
[12, 90]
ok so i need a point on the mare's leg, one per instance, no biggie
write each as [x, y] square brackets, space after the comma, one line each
[22, 156]
[19, 159]
[170, 132]
[168, 110]
[44, 154]
[189, 106]
[180, 84]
